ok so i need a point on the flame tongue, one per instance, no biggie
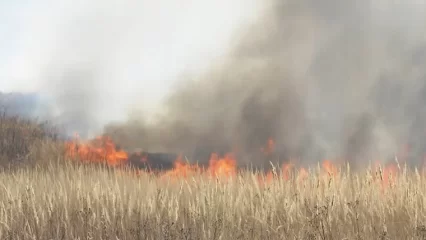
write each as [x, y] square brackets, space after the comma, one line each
[181, 169]
[103, 150]
[100, 150]
[329, 167]
[223, 166]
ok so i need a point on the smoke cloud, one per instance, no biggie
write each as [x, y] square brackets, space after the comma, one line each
[325, 79]
[332, 79]
[95, 61]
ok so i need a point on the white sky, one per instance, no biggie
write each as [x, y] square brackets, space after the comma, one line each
[144, 44]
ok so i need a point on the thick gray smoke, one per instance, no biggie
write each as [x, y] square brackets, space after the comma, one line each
[325, 79]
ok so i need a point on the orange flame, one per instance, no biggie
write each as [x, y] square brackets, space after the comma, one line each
[390, 173]
[286, 170]
[286, 167]
[226, 166]
[269, 177]
[329, 167]
[100, 150]
[181, 169]
[103, 150]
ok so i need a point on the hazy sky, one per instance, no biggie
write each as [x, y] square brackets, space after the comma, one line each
[143, 44]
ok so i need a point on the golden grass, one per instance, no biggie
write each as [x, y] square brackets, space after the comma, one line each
[87, 202]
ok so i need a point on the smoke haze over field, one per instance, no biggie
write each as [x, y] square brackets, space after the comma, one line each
[325, 79]
[95, 61]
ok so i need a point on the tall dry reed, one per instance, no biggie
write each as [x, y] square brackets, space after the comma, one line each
[87, 202]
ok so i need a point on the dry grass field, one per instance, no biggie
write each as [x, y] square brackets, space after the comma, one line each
[51, 198]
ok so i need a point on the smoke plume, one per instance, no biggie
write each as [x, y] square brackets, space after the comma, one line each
[331, 79]
[95, 61]
[325, 79]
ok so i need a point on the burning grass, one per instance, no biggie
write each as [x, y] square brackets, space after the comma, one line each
[65, 200]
